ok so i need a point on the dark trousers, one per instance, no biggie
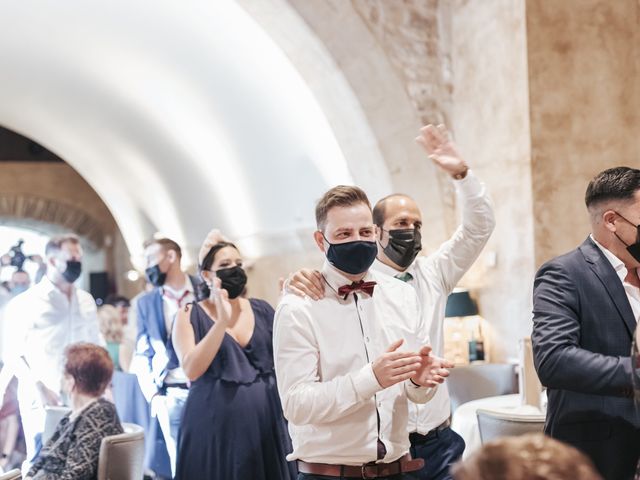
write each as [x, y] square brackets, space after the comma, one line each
[402, 476]
[439, 449]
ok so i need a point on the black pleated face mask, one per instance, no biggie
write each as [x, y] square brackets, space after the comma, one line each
[404, 246]
[155, 276]
[73, 271]
[233, 280]
[634, 248]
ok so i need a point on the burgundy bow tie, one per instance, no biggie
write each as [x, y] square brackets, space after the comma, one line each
[366, 287]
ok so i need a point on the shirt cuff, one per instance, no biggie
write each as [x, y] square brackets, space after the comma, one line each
[417, 393]
[366, 383]
[469, 186]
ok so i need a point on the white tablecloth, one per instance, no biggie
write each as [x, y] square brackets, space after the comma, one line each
[465, 421]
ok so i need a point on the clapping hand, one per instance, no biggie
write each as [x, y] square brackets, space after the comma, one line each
[394, 367]
[441, 150]
[432, 370]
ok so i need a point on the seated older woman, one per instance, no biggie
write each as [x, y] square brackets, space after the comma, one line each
[72, 452]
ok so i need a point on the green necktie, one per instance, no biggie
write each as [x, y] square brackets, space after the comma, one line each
[404, 276]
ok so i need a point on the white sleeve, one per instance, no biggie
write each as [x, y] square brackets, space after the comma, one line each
[306, 399]
[455, 256]
[415, 393]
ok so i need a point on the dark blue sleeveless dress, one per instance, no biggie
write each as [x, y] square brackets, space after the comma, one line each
[233, 428]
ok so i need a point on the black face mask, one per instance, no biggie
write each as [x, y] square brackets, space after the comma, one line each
[155, 276]
[403, 247]
[352, 257]
[233, 280]
[73, 271]
[634, 248]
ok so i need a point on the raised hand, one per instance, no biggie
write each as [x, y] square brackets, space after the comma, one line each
[432, 370]
[442, 151]
[306, 283]
[394, 367]
[220, 298]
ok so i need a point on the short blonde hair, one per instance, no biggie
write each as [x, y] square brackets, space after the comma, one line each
[110, 324]
[528, 457]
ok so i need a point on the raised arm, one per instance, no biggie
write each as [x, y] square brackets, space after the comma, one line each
[456, 256]
[195, 358]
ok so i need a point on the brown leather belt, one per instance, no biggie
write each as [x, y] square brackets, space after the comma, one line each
[369, 470]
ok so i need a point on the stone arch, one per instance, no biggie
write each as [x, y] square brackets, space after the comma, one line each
[33, 208]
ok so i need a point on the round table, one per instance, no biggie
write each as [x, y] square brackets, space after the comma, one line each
[465, 421]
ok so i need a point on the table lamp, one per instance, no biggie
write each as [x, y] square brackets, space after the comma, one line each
[459, 305]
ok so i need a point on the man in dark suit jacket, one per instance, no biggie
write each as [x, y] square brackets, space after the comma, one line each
[585, 308]
[155, 363]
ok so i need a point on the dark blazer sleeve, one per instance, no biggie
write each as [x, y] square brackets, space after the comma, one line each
[560, 360]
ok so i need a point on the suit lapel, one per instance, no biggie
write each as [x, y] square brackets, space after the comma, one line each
[609, 278]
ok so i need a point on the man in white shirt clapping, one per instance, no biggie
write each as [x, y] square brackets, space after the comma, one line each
[347, 364]
[433, 277]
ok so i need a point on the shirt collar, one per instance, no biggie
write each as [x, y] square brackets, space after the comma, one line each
[178, 293]
[335, 279]
[49, 288]
[616, 263]
[378, 266]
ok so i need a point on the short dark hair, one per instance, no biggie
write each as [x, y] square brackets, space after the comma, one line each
[117, 300]
[340, 196]
[90, 366]
[166, 244]
[619, 183]
[207, 261]
[54, 245]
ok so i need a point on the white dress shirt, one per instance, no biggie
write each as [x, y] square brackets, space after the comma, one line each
[436, 275]
[43, 321]
[323, 354]
[633, 292]
[172, 301]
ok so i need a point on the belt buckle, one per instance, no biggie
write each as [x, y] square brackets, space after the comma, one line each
[364, 471]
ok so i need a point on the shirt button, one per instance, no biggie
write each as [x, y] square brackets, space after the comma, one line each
[366, 339]
[380, 404]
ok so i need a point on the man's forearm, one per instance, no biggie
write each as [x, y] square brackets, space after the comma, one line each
[579, 370]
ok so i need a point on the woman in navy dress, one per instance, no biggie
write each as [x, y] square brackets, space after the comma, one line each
[233, 427]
